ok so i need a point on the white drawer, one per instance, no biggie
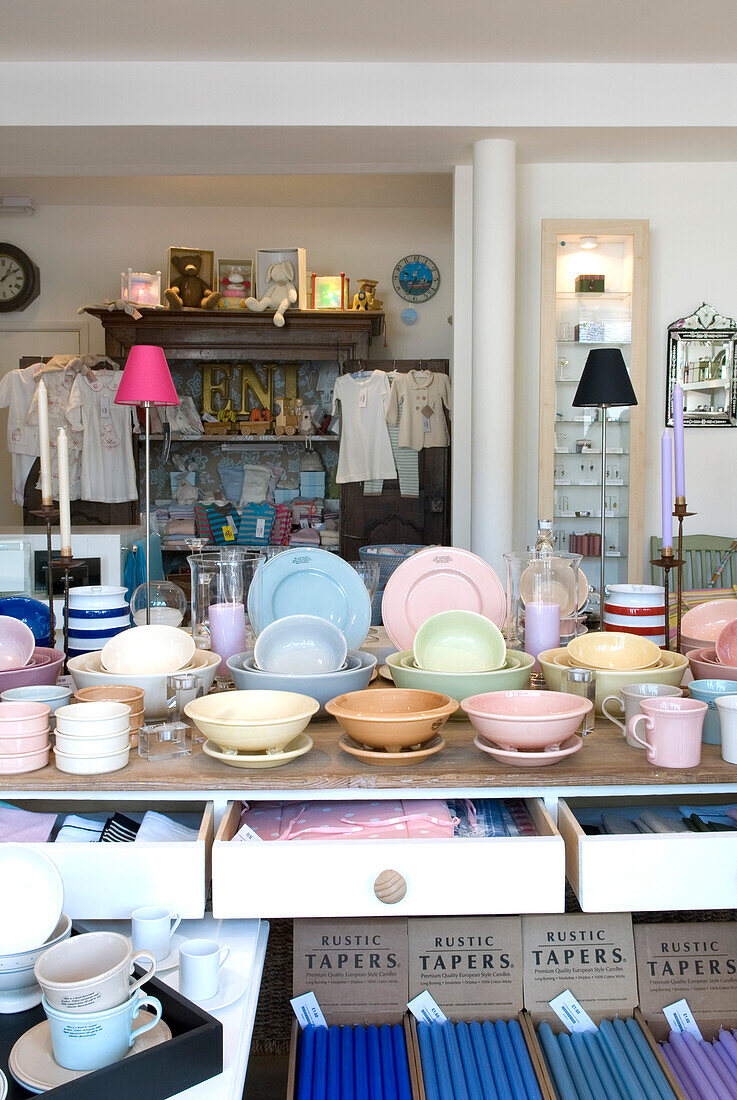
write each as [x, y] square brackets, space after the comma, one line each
[109, 881]
[615, 874]
[337, 878]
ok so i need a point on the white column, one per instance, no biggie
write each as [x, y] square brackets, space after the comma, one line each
[493, 329]
[461, 366]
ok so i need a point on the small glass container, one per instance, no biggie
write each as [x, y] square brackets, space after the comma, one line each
[165, 741]
[582, 681]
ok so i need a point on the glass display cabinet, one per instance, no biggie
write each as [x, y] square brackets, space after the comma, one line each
[593, 294]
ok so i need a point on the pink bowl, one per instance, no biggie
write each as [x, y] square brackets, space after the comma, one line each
[707, 620]
[43, 668]
[16, 643]
[726, 646]
[533, 720]
[24, 762]
[32, 742]
[704, 666]
[19, 719]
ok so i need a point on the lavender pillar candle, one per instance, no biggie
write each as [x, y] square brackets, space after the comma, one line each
[473, 1081]
[542, 627]
[636, 1060]
[482, 1061]
[376, 1091]
[227, 632]
[725, 1075]
[442, 1069]
[347, 1067]
[427, 1058]
[654, 1068]
[586, 1062]
[388, 1073]
[333, 1074]
[306, 1062]
[401, 1065]
[524, 1061]
[593, 1046]
[455, 1062]
[574, 1068]
[320, 1065]
[558, 1070]
[509, 1058]
[711, 1075]
[360, 1058]
[495, 1059]
[680, 1047]
[617, 1058]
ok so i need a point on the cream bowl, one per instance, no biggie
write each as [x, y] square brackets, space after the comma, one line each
[252, 720]
[669, 670]
[613, 651]
[528, 720]
[93, 719]
[457, 685]
[91, 765]
[148, 649]
[86, 672]
[92, 746]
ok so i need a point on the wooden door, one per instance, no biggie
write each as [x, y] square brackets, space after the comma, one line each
[392, 517]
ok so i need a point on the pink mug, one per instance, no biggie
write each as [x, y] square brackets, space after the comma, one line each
[673, 731]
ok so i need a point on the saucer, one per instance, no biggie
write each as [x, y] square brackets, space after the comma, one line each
[298, 747]
[378, 756]
[172, 959]
[528, 759]
[386, 673]
[32, 1062]
[232, 988]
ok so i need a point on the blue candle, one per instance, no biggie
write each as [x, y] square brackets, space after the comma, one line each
[496, 1061]
[589, 1070]
[373, 1047]
[509, 1058]
[306, 1062]
[482, 1061]
[360, 1058]
[562, 1080]
[320, 1066]
[442, 1069]
[607, 1078]
[388, 1073]
[473, 1081]
[333, 1076]
[524, 1061]
[428, 1062]
[347, 1068]
[401, 1065]
[455, 1061]
[682, 1075]
[618, 1063]
[573, 1066]
[724, 1075]
[655, 1069]
[635, 1059]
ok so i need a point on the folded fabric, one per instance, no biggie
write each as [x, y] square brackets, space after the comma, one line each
[202, 523]
[119, 829]
[223, 524]
[80, 830]
[305, 536]
[255, 484]
[658, 823]
[255, 524]
[157, 827]
[282, 525]
[388, 819]
[24, 826]
[180, 527]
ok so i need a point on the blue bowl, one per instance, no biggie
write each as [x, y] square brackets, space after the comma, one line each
[707, 691]
[31, 612]
[323, 687]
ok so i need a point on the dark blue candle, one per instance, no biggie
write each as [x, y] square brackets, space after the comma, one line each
[473, 1081]
[388, 1073]
[347, 1068]
[618, 1062]
[442, 1068]
[728, 1079]
[320, 1067]
[562, 1079]
[524, 1061]
[635, 1059]
[654, 1068]
[427, 1058]
[401, 1065]
[376, 1091]
[455, 1062]
[333, 1076]
[574, 1068]
[483, 1064]
[509, 1058]
[607, 1078]
[306, 1062]
[360, 1058]
[496, 1061]
[586, 1062]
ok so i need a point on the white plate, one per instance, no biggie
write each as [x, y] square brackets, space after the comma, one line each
[232, 988]
[33, 896]
[171, 962]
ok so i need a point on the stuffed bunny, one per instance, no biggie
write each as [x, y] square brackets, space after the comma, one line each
[281, 293]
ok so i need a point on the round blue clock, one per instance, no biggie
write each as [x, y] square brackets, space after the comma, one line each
[416, 278]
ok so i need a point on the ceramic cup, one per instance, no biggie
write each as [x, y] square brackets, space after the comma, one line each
[200, 962]
[629, 700]
[673, 731]
[90, 973]
[91, 1040]
[727, 710]
[152, 930]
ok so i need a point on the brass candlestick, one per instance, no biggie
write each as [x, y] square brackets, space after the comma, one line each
[666, 562]
[680, 511]
[66, 563]
[48, 513]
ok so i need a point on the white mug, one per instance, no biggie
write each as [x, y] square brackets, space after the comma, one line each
[727, 709]
[152, 930]
[90, 973]
[200, 962]
[92, 1040]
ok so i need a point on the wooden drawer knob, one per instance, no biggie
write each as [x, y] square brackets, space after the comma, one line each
[390, 887]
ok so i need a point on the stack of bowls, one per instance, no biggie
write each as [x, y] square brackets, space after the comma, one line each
[97, 612]
[391, 726]
[702, 625]
[43, 668]
[527, 728]
[636, 609]
[16, 644]
[92, 738]
[117, 693]
[669, 669]
[19, 989]
[354, 675]
[53, 695]
[257, 729]
[87, 671]
[459, 641]
[24, 737]
[514, 673]
[613, 652]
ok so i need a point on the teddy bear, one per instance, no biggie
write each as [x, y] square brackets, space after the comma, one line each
[190, 290]
[280, 293]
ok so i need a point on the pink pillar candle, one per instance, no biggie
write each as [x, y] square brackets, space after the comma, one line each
[227, 631]
[666, 455]
[542, 627]
[678, 440]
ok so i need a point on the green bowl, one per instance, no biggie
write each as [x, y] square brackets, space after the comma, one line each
[459, 641]
[460, 685]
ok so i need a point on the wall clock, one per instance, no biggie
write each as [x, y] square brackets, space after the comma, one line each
[416, 278]
[20, 280]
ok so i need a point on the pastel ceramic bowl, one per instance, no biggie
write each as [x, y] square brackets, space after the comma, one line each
[86, 672]
[252, 720]
[300, 645]
[16, 644]
[17, 763]
[92, 746]
[93, 720]
[726, 645]
[457, 685]
[459, 641]
[391, 719]
[30, 743]
[21, 719]
[669, 670]
[43, 668]
[527, 720]
[19, 989]
[612, 651]
[116, 693]
[708, 691]
[148, 649]
[704, 666]
[91, 765]
[52, 695]
[707, 621]
[322, 688]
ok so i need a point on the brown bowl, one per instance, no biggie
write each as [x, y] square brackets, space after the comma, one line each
[391, 719]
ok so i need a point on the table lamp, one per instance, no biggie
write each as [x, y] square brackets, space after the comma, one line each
[605, 382]
[147, 381]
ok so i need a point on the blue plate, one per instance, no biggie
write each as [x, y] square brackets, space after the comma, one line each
[311, 582]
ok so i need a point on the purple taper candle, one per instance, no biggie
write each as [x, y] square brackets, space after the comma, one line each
[666, 497]
[706, 1067]
[727, 1078]
[680, 1073]
[697, 1075]
[726, 1061]
[727, 1039]
[678, 440]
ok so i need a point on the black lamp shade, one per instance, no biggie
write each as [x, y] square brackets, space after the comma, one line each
[605, 380]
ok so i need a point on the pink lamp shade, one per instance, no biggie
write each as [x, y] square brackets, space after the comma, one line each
[146, 377]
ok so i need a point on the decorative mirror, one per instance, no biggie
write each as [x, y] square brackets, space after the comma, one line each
[702, 356]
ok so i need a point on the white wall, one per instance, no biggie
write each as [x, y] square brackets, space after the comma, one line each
[693, 244]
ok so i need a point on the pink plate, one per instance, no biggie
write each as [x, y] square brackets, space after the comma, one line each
[727, 644]
[440, 578]
[528, 759]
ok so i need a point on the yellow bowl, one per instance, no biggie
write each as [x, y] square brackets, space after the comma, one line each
[669, 670]
[612, 651]
[252, 720]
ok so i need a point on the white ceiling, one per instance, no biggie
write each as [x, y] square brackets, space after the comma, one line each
[368, 30]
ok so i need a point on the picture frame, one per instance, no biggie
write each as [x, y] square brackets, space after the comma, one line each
[243, 285]
[143, 288]
[207, 269]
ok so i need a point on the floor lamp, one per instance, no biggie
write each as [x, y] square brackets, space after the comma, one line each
[605, 382]
[147, 381]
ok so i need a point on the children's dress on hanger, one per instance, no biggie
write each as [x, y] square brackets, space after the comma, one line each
[59, 379]
[108, 470]
[16, 394]
[365, 447]
[417, 399]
